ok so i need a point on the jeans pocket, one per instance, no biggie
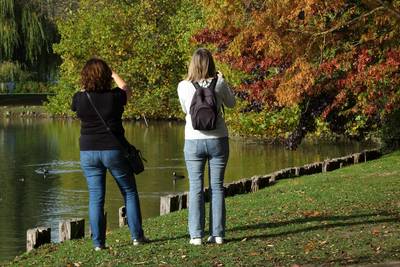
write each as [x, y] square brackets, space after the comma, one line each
[86, 158]
[218, 147]
[190, 149]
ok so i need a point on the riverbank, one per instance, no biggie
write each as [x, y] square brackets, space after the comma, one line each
[348, 216]
[23, 112]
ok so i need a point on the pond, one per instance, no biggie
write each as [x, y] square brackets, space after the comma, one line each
[29, 199]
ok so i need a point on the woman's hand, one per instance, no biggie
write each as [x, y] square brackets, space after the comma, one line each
[121, 84]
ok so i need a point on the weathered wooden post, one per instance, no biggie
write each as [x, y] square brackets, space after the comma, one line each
[71, 229]
[165, 204]
[170, 203]
[330, 165]
[357, 158]
[255, 184]
[123, 220]
[37, 236]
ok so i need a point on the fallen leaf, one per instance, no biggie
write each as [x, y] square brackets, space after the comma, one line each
[375, 231]
[323, 242]
[309, 247]
[311, 213]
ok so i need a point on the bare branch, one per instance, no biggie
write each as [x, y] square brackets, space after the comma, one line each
[390, 8]
[349, 22]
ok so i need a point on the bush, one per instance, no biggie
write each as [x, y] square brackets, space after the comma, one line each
[146, 42]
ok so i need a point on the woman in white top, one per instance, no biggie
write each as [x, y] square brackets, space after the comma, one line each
[205, 145]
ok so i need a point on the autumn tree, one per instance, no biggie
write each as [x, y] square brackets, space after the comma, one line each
[308, 65]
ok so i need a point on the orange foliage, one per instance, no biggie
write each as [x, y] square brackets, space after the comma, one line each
[346, 52]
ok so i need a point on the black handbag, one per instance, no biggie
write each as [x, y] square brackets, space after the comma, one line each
[133, 155]
[135, 159]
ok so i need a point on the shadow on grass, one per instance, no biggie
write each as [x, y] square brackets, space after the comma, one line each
[387, 258]
[327, 222]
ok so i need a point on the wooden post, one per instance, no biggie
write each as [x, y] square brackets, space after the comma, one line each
[372, 154]
[264, 181]
[358, 157]
[229, 190]
[183, 201]
[297, 171]
[37, 236]
[123, 220]
[166, 204]
[246, 185]
[330, 165]
[71, 229]
[170, 203]
[255, 182]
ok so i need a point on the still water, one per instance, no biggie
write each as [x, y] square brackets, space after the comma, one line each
[29, 199]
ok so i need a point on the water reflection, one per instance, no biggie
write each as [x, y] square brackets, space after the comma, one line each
[41, 181]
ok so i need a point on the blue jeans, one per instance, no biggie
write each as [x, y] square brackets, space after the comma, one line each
[94, 165]
[197, 153]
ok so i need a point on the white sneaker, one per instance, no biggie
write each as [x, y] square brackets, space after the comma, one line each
[215, 239]
[98, 248]
[195, 241]
[140, 241]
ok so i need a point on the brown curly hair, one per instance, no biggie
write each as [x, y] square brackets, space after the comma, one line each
[96, 75]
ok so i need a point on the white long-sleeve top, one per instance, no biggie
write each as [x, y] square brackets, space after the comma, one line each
[224, 95]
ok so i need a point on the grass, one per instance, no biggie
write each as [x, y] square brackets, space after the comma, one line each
[348, 216]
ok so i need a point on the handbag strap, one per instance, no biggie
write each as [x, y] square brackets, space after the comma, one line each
[104, 122]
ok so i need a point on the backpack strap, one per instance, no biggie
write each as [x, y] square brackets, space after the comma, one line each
[212, 84]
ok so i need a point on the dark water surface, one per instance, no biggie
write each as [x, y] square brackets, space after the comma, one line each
[28, 199]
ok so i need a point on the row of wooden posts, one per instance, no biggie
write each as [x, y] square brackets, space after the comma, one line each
[75, 228]
[67, 230]
[175, 202]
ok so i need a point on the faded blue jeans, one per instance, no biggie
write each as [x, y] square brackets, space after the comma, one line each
[197, 153]
[94, 165]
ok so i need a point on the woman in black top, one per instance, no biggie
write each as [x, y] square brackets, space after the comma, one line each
[100, 151]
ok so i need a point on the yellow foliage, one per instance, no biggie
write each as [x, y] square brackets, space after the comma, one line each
[299, 80]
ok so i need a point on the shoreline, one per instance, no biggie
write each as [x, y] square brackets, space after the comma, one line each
[40, 112]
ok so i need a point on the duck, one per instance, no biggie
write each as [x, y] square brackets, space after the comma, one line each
[44, 171]
[177, 176]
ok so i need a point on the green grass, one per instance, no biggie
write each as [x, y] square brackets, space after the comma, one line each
[349, 216]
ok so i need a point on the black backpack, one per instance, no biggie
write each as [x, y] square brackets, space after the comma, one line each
[203, 108]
